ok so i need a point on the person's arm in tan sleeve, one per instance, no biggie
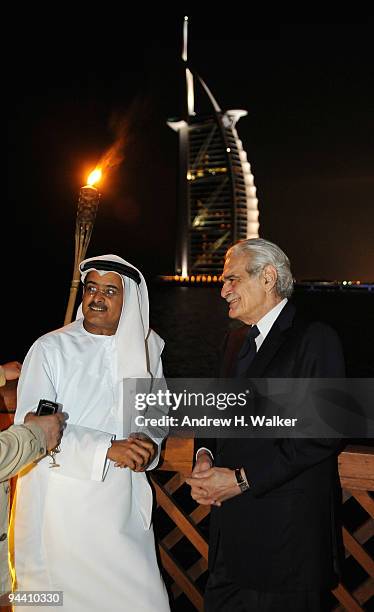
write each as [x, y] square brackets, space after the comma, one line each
[19, 446]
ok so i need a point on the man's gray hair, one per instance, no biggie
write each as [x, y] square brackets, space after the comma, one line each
[261, 253]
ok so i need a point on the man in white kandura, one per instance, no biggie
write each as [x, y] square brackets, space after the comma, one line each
[84, 528]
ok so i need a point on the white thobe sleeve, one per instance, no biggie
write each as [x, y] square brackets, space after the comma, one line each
[158, 434]
[83, 450]
[83, 453]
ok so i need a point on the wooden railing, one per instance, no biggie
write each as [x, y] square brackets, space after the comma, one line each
[184, 545]
[356, 469]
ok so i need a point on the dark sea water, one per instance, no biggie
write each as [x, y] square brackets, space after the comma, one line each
[193, 322]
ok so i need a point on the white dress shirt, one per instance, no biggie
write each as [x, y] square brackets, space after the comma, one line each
[265, 324]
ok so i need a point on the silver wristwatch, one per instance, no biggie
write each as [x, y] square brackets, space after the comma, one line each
[242, 482]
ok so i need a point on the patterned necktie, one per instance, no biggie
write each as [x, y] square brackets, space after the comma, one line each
[247, 352]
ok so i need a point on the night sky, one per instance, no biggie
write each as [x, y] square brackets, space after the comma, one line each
[308, 90]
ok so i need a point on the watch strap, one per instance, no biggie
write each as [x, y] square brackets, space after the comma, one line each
[241, 481]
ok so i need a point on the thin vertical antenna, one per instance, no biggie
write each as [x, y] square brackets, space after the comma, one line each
[185, 37]
[189, 75]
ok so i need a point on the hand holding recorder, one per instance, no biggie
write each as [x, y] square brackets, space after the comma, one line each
[51, 420]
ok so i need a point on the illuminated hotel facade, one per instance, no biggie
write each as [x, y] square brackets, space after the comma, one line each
[217, 196]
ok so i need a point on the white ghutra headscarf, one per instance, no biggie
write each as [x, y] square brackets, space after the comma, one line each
[137, 349]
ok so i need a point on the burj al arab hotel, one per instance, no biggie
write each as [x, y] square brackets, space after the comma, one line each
[217, 196]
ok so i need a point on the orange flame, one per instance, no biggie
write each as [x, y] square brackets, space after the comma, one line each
[94, 177]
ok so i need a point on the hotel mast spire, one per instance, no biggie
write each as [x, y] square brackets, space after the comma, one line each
[189, 75]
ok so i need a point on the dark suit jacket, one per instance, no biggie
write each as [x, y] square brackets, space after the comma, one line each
[283, 534]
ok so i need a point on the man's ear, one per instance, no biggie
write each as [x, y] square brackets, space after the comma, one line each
[270, 276]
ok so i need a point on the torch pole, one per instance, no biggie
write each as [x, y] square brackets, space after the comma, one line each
[87, 208]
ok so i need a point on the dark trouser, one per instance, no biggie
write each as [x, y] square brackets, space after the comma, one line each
[223, 595]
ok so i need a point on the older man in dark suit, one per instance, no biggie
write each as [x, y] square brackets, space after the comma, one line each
[275, 541]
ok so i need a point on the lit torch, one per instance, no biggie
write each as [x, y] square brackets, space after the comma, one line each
[87, 208]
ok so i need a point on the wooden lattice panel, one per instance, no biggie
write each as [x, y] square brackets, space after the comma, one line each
[178, 454]
[356, 468]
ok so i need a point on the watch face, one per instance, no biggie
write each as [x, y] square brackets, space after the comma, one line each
[238, 475]
[242, 482]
